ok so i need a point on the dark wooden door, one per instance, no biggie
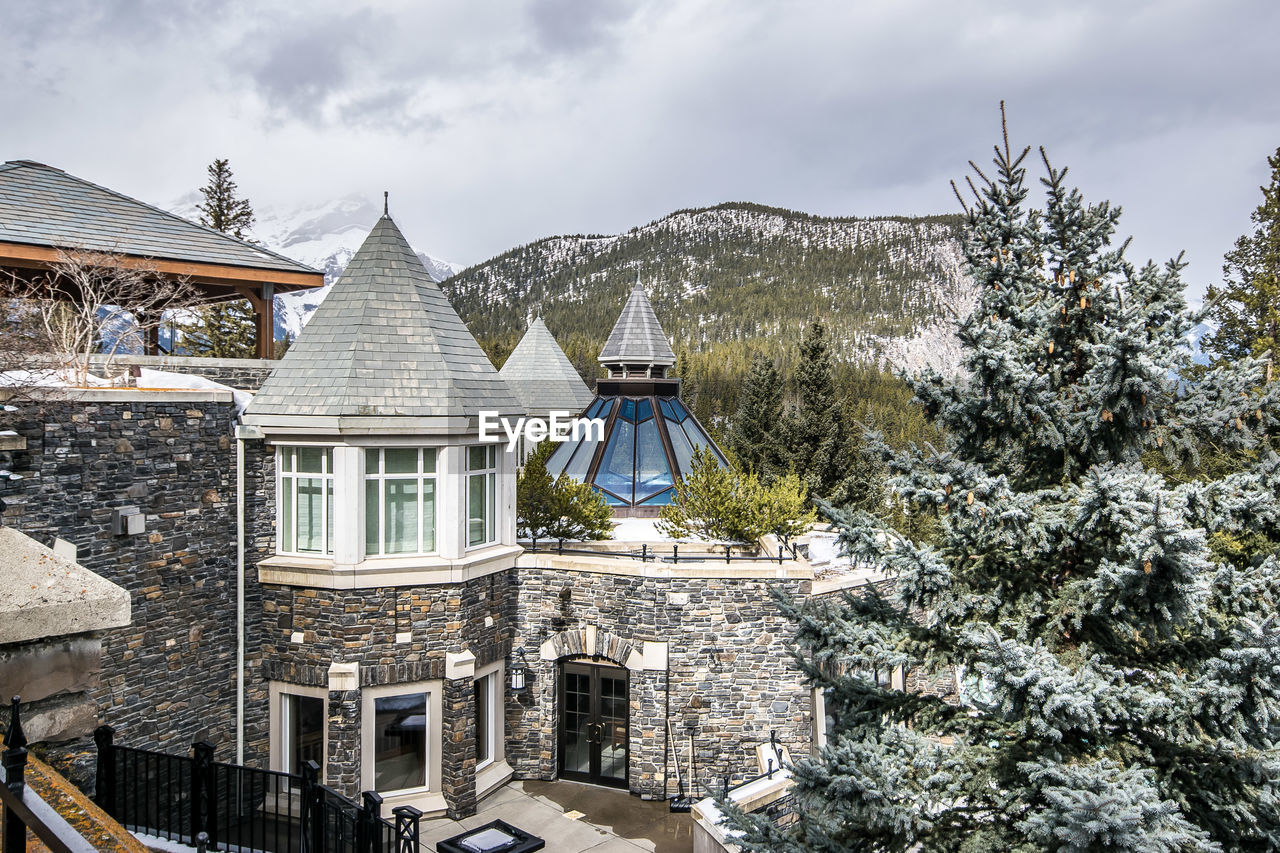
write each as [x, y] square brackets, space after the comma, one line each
[593, 723]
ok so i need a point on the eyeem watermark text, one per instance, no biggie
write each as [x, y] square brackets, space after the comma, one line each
[561, 427]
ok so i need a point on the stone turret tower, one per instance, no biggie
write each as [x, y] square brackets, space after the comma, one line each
[394, 541]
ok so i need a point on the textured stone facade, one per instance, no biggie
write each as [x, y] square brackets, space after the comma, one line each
[728, 678]
[168, 678]
[361, 627]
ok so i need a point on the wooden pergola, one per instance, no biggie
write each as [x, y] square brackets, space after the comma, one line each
[44, 212]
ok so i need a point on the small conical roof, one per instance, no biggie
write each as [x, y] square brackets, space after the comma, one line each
[637, 337]
[385, 342]
[541, 375]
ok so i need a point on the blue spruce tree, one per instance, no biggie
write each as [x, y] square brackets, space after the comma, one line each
[1119, 683]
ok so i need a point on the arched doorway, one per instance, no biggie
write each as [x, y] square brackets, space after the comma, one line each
[594, 725]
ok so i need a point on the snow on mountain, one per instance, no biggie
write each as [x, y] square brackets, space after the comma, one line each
[323, 236]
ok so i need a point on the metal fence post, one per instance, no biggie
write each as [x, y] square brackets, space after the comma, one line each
[407, 818]
[369, 839]
[204, 797]
[312, 809]
[675, 553]
[104, 793]
[14, 759]
[202, 842]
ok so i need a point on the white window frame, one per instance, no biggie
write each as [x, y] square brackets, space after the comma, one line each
[490, 473]
[435, 709]
[495, 674]
[422, 476]
[277, 691]
[327, 528]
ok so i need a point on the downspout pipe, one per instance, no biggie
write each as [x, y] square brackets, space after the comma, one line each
[242, 433]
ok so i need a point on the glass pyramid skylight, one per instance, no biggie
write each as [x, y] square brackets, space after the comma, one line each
[650, 436]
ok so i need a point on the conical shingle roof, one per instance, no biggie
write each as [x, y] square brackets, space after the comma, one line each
[385, 342]
[637, 337]
[541, 375]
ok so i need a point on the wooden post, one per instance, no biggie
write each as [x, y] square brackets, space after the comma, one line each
[265, 306]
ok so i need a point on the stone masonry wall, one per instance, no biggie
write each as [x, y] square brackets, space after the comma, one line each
[168, 679]
[360, 626]
[731, 678]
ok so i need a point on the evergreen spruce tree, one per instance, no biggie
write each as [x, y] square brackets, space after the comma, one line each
[227, 329]
[1120, 684]
[1247, 306]
[753, 436]
[813, 430]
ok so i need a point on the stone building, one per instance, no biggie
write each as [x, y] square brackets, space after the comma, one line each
[337, 578]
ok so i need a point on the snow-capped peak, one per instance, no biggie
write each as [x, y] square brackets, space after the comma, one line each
[323, 236]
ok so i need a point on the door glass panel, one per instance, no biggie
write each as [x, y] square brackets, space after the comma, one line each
[613, 717]
[577, 714]
[305, 735]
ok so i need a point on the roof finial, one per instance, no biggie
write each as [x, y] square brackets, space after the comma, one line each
[386, 203]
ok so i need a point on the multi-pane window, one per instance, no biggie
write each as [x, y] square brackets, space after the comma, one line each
[400, 742]
[488, 724]
[482, 481]
[306, 500]
[399, 500]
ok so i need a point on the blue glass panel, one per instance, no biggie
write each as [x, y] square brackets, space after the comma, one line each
[600, 408]
[611, 500]
[652, 472]
[660, 499]
[581, 461]
[699, 438]
[680, 411]
[644, 410]
[628, 409]
[559, 458]
[617, 468]
[665, 403]
[681, 446]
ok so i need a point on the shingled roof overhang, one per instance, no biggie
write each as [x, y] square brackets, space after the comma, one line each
[45, 212]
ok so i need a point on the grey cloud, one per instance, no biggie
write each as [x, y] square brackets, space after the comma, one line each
[574, 26]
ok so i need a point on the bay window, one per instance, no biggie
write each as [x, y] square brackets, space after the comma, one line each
[400, 501]
[305, 500]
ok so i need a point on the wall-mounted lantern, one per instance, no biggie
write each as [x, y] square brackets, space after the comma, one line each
[519, 672]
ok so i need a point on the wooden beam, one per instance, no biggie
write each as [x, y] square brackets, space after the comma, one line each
[222, 275]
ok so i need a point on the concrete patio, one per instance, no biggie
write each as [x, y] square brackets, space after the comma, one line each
[574, 818]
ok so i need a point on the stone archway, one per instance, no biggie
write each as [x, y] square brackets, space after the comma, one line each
[590, 641]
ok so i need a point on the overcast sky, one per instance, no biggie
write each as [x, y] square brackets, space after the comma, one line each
[496, 123]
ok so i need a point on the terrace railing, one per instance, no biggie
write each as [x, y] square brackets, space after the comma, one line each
[212, 805]
[705, 554]
[23, 808]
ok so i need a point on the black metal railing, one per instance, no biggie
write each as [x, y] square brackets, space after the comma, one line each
[23, 808]
[196, 800]
[786, 551]
[772, 766]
